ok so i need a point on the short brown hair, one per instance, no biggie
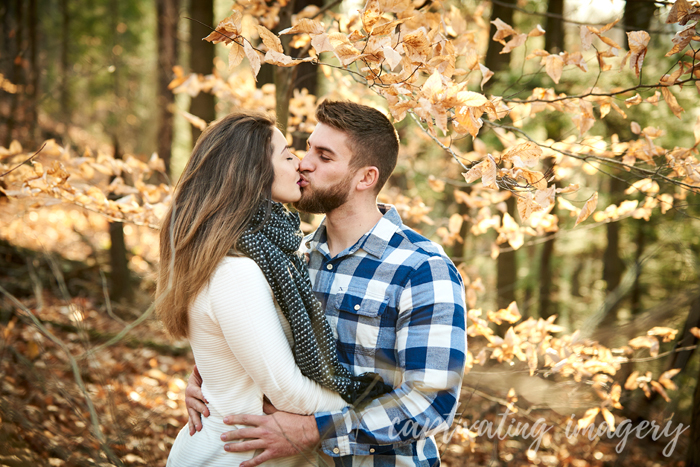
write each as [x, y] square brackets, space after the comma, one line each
[371, 136]
[228, 175]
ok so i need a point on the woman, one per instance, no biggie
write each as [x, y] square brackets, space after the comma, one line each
[232, 281]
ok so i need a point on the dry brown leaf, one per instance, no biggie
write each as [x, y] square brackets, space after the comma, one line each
[503, 30]
[536, 31]
[554, 65]
[609, 418]
[636, 129]
[194, 120]
[695, 331]
[660, 389]
[667, 334]
[636, 99]
[516, 41]
[650, 342]
[587, 209]
[235, 56]
[305, 26]
[679, 10]
[666, 376]
[631, 383]
[672, 102]
[638, 41]
[486, 75]
[253, 58]
[524, 154]
[588, 417]
[271, 41]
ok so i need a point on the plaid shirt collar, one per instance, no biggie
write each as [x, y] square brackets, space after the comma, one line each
[373, 242]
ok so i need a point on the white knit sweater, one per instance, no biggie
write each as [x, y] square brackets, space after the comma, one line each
[242, 347]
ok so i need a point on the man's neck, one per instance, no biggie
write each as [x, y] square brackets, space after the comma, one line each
[348, 223]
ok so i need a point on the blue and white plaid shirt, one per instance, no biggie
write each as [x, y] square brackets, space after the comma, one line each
[396, 305]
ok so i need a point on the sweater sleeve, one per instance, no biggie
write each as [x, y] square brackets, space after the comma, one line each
[242, 303]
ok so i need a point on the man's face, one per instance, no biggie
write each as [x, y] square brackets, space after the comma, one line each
[326, 177]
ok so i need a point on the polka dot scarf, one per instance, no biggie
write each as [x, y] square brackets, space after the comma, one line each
[272, 241]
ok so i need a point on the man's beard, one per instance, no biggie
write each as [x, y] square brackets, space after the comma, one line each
[321, 201]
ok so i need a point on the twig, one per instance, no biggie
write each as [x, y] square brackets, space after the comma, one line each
[24, 162]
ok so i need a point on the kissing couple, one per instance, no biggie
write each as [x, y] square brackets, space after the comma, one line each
[344, 348]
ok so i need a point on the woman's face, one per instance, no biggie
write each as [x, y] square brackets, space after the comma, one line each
[285, 186]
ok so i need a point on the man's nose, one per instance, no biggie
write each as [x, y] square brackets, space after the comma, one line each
[305, 164]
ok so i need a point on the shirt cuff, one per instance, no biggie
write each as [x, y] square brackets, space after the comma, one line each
[335, 439]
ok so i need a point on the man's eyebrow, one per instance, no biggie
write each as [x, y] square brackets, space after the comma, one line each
[322, 148]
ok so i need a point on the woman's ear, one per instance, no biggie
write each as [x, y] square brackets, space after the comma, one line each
[368, 179]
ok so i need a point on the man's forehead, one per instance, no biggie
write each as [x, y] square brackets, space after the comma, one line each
[329, 137]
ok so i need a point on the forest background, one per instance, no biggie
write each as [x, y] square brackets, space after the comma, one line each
[549, 146]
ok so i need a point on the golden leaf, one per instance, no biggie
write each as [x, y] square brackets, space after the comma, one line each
[650, 342]
[636, 129]
[588, 418]
[436, 185]
[235, 56]
[587, 209]
[516, 41]
[615, 394]
[636, 99]
[678, 11]
[321, 44]
[695, 331]
[667, 334]
[371, 14]
[638, 41]
[609, 418]
[586, 38]
[227, 29]
[666, 376]
[660, 389]
[194, 120]
[305, 26]
[554, 65]
[672, 102]
[253, 58]
[486, 75]
[523, 154]
[572, 188]
[536, 31]
[392, 57]
[631, 382]
[503, 30]
[271, 41]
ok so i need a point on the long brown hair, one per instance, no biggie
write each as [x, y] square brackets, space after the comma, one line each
[228, 175]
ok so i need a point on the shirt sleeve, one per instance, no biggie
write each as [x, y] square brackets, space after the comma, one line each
[431, 347]
[243, 305]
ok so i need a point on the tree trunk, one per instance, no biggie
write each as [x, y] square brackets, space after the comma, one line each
[636, 295]
[692, 458]
[201, 60]
[613, 266]
[167, 17]
[554, 38]
[65, 99]
[638, 15]
[507, 269]
[33, 120]
[495, 61]
[120, 277]
[17, 77]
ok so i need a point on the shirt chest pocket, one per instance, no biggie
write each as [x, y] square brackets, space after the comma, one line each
[359, 318]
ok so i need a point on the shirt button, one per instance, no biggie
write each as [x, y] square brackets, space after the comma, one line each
[371, 450]
[357, 307]
[336, 450]
[329, 267]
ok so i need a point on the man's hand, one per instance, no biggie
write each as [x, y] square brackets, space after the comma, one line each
[194, 400]
[279, 435]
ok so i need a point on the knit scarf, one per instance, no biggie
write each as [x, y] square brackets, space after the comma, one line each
[273, 243]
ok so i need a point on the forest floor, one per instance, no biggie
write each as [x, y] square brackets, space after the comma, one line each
[78, 391]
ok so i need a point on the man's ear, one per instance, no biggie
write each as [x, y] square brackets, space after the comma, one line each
[369, 176]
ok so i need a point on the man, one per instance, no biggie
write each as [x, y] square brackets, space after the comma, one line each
[394, 300]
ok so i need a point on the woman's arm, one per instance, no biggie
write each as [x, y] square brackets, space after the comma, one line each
[242, 304]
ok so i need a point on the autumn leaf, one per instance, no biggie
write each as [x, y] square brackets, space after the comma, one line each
[554, 65]
[516, 41]
[271, 41]
[194, 120]
[503, 30]
[650, 342]
[486, 75]
[609, 418]
[695, 331]
[666, 376]
[235, 56]
[631, 382]
[672, 102]
[305, 26]
[536, 31]
[587, 209]
[636, 99]
[588, 418]
[660, 389]
[253, 58]
[678, 12]
[392, 57]
[227, 29]
[638, 41]
[525, 154]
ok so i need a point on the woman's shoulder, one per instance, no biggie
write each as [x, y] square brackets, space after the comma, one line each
[240, 268]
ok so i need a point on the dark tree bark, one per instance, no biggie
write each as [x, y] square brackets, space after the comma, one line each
[201, 60]
[33, 91]
[120, 277]
[554, 38]
[65, 97]
[167, 17]
[638, 15]
[507, 269]
[613, 266]
[640, 243]
[17, 77]
[495, 61]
